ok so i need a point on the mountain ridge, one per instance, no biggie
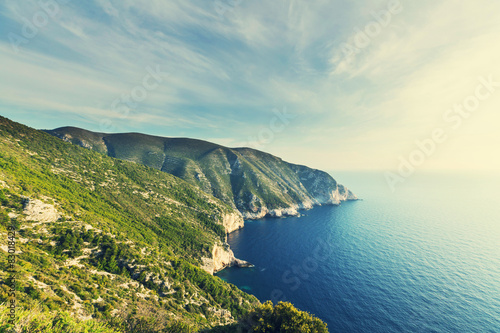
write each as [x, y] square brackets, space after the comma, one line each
[255, 183]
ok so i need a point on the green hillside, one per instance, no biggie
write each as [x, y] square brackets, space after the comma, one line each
[104, 245]
[254, 182]
[126, 240]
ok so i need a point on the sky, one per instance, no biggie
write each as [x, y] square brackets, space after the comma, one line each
[335, 85]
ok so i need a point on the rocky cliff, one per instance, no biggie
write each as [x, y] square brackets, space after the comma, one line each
[232, 222]
[322, 187]
[222, 257]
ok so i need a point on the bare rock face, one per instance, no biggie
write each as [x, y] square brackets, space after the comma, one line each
[222, 257]
[345, 194]
[264, 211]
[322, 187]
[232, 222]
[37, 210]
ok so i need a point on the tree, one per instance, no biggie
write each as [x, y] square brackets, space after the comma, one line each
[283, 318]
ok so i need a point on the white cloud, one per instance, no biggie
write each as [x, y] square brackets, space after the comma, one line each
[227, 74]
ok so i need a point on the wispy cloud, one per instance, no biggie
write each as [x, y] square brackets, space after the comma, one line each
[226, 75]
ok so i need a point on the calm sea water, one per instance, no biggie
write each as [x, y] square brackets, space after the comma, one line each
[425, 258]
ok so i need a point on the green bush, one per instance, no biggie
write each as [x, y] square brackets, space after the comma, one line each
[282, 318]
[38, 320]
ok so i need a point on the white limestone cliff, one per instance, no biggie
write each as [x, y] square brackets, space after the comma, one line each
[232, 221]
[340, 194]
[222, 257]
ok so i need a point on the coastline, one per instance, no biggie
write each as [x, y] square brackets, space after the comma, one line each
[222, 255]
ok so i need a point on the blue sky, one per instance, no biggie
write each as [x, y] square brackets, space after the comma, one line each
[331, 84]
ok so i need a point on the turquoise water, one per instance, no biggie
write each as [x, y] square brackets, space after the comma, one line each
[425, 258]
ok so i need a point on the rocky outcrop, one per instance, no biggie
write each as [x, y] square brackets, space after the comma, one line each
[232, 221]
[264, 211]
[322, 187]
[222, 257]
[36, 210]
[345, 194]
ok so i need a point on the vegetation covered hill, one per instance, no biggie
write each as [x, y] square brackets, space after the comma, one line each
[102, 237]
[282, 318]
[104, 245]
[254, 182]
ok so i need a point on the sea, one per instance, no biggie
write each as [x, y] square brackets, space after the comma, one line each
[422, 257]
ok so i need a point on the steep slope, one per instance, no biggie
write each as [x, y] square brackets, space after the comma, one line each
[254, 182]
[111, 240]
